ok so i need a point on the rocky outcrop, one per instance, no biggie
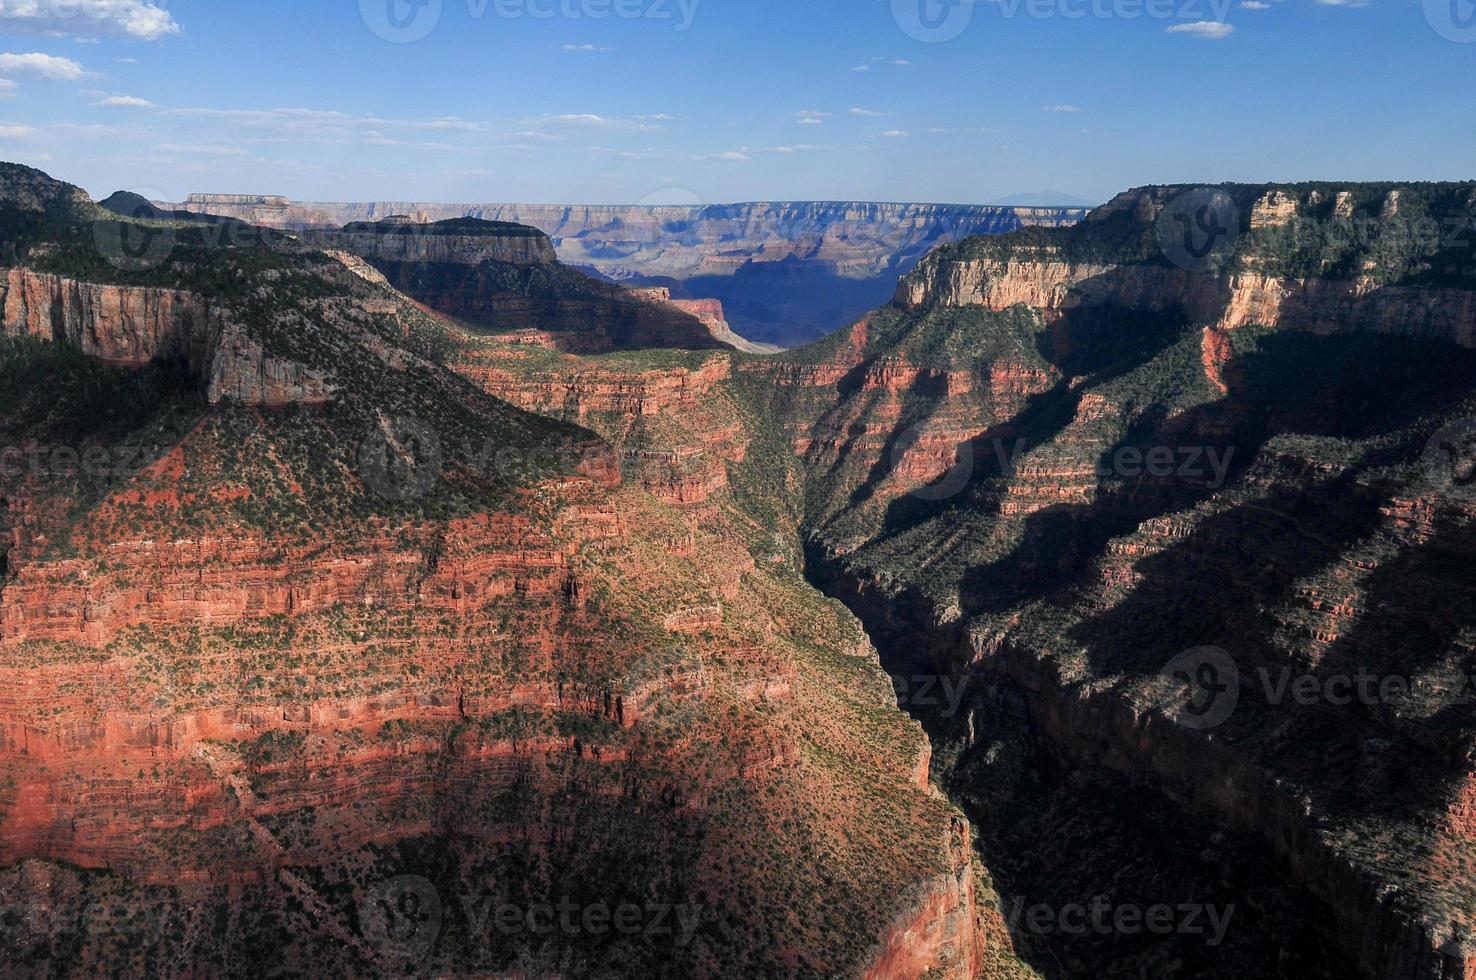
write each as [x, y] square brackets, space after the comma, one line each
[128, 326]
[464, 242]
[709, 312]
[1321, 306]
[119, 325]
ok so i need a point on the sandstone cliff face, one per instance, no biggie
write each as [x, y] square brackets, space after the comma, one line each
[272, 663]
[1324, 306]
[130, 326]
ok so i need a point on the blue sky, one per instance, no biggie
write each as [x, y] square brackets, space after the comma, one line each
[732, 100]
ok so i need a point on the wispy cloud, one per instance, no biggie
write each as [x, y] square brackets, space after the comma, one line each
[1063, 107]
[591, 120]
[129, 101]
[14, 132]
[895, 134]
[138, 19]
[202, 149]
[585, 47]
[1254, 5]
[810, 117]
[1205, 30]
[870, 113]
[862, 68]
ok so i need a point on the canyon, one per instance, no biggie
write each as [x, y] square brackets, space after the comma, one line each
[411, 586]
[786, 272]
[273, 668]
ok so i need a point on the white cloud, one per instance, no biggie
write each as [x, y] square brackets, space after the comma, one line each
[585, 47]
[140, 19]
[1254, 5]
[126, 61]
[810, 117]
[1064, 107]
[658, 117]
[41, 66]
[901, 61]
[15, 132]
[862, 68]
[858, 111]
[129, 101]
[590, 120]
[895, 134]
[1205, 30]
[203, 149]
[7, 88]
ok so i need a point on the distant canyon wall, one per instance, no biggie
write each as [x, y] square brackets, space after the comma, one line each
[786, 272]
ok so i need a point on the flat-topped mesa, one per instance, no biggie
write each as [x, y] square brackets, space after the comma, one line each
[858, 239]
[1370, 257]
[458, 241]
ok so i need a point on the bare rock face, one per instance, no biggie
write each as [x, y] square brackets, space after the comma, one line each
[1226, 302]
[120, 325]
[128, 326]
